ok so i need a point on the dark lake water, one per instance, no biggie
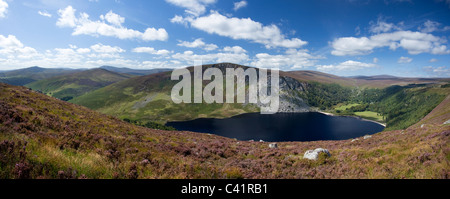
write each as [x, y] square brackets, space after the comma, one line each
[283, 127]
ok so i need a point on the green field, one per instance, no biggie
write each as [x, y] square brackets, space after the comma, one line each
[345, 107]
[370, 115]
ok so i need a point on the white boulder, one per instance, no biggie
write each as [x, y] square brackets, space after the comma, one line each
[367, 137]
[273, 145]
[314, 154]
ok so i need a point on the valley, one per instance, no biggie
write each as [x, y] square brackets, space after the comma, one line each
[118, 136]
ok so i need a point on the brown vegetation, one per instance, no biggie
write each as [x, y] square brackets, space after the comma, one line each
[41, 137]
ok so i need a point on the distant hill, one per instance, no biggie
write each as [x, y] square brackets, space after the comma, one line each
[315, 76]
[67, 87]
[27, 75]
[134, 71]
[378, 81]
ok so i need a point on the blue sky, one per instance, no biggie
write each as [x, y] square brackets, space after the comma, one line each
[342, 37]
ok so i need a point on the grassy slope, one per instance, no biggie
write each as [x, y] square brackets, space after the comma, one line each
[77, 84]
[41, 137]
[28, 75]
[147, 98]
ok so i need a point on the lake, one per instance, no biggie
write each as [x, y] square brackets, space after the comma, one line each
[282, 127]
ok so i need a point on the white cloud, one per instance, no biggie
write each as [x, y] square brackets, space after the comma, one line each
[234, 49]
[382, 26]
[442, 71]
[3, 8]
[151, 51]
[113, 18]
[404, 60]
[432, 26]
[413, 42]
[45, 14]
[100, 48]
[292, 59]
[190, 57]
[245, 28]
[433, 60]
[346, 66]
[12, 48]
[194, 7]
[198, 43]
[109, 25]
[239, 5]
[67, 17]
[10, 42]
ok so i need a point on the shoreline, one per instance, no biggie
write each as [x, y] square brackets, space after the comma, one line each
[331, 114]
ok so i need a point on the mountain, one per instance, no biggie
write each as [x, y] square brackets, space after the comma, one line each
[148, 99]
[315, 76]
[67, 87]
[25, 76]
[45, 138]
[134, 71]
[377, 81]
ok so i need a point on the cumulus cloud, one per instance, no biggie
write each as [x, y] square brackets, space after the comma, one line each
[433, 60]
[113, 18]
[291, 59]
[44, 13]
[239, 5]
[109, 25]
[346, 66]
[3, 8]
[404, 60]
[198, 43]
[234, 49]
[193, 7]
[190, 56]
[100, 48]
[13, 48]
[246, 29]
[414, 42]
[150, 50]
[382, 26]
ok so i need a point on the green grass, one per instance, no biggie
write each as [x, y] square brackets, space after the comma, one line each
[370, 115]
[345, 107]
[77, 84]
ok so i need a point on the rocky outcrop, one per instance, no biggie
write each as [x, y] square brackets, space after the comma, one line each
[290, 96]
[314, 154]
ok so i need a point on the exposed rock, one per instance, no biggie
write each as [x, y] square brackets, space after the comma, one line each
[423, 125]
[367, 137]
[447, 122]
[354, 140]
[273, 145]
[314, 154]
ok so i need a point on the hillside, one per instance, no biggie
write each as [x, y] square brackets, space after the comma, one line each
[135, 71]
[147, 98]
[380, 81]
[28, 75]
[42, 137]
[67, 87]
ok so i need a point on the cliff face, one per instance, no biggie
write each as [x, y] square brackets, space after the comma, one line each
[291, 91]
[290, 96]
